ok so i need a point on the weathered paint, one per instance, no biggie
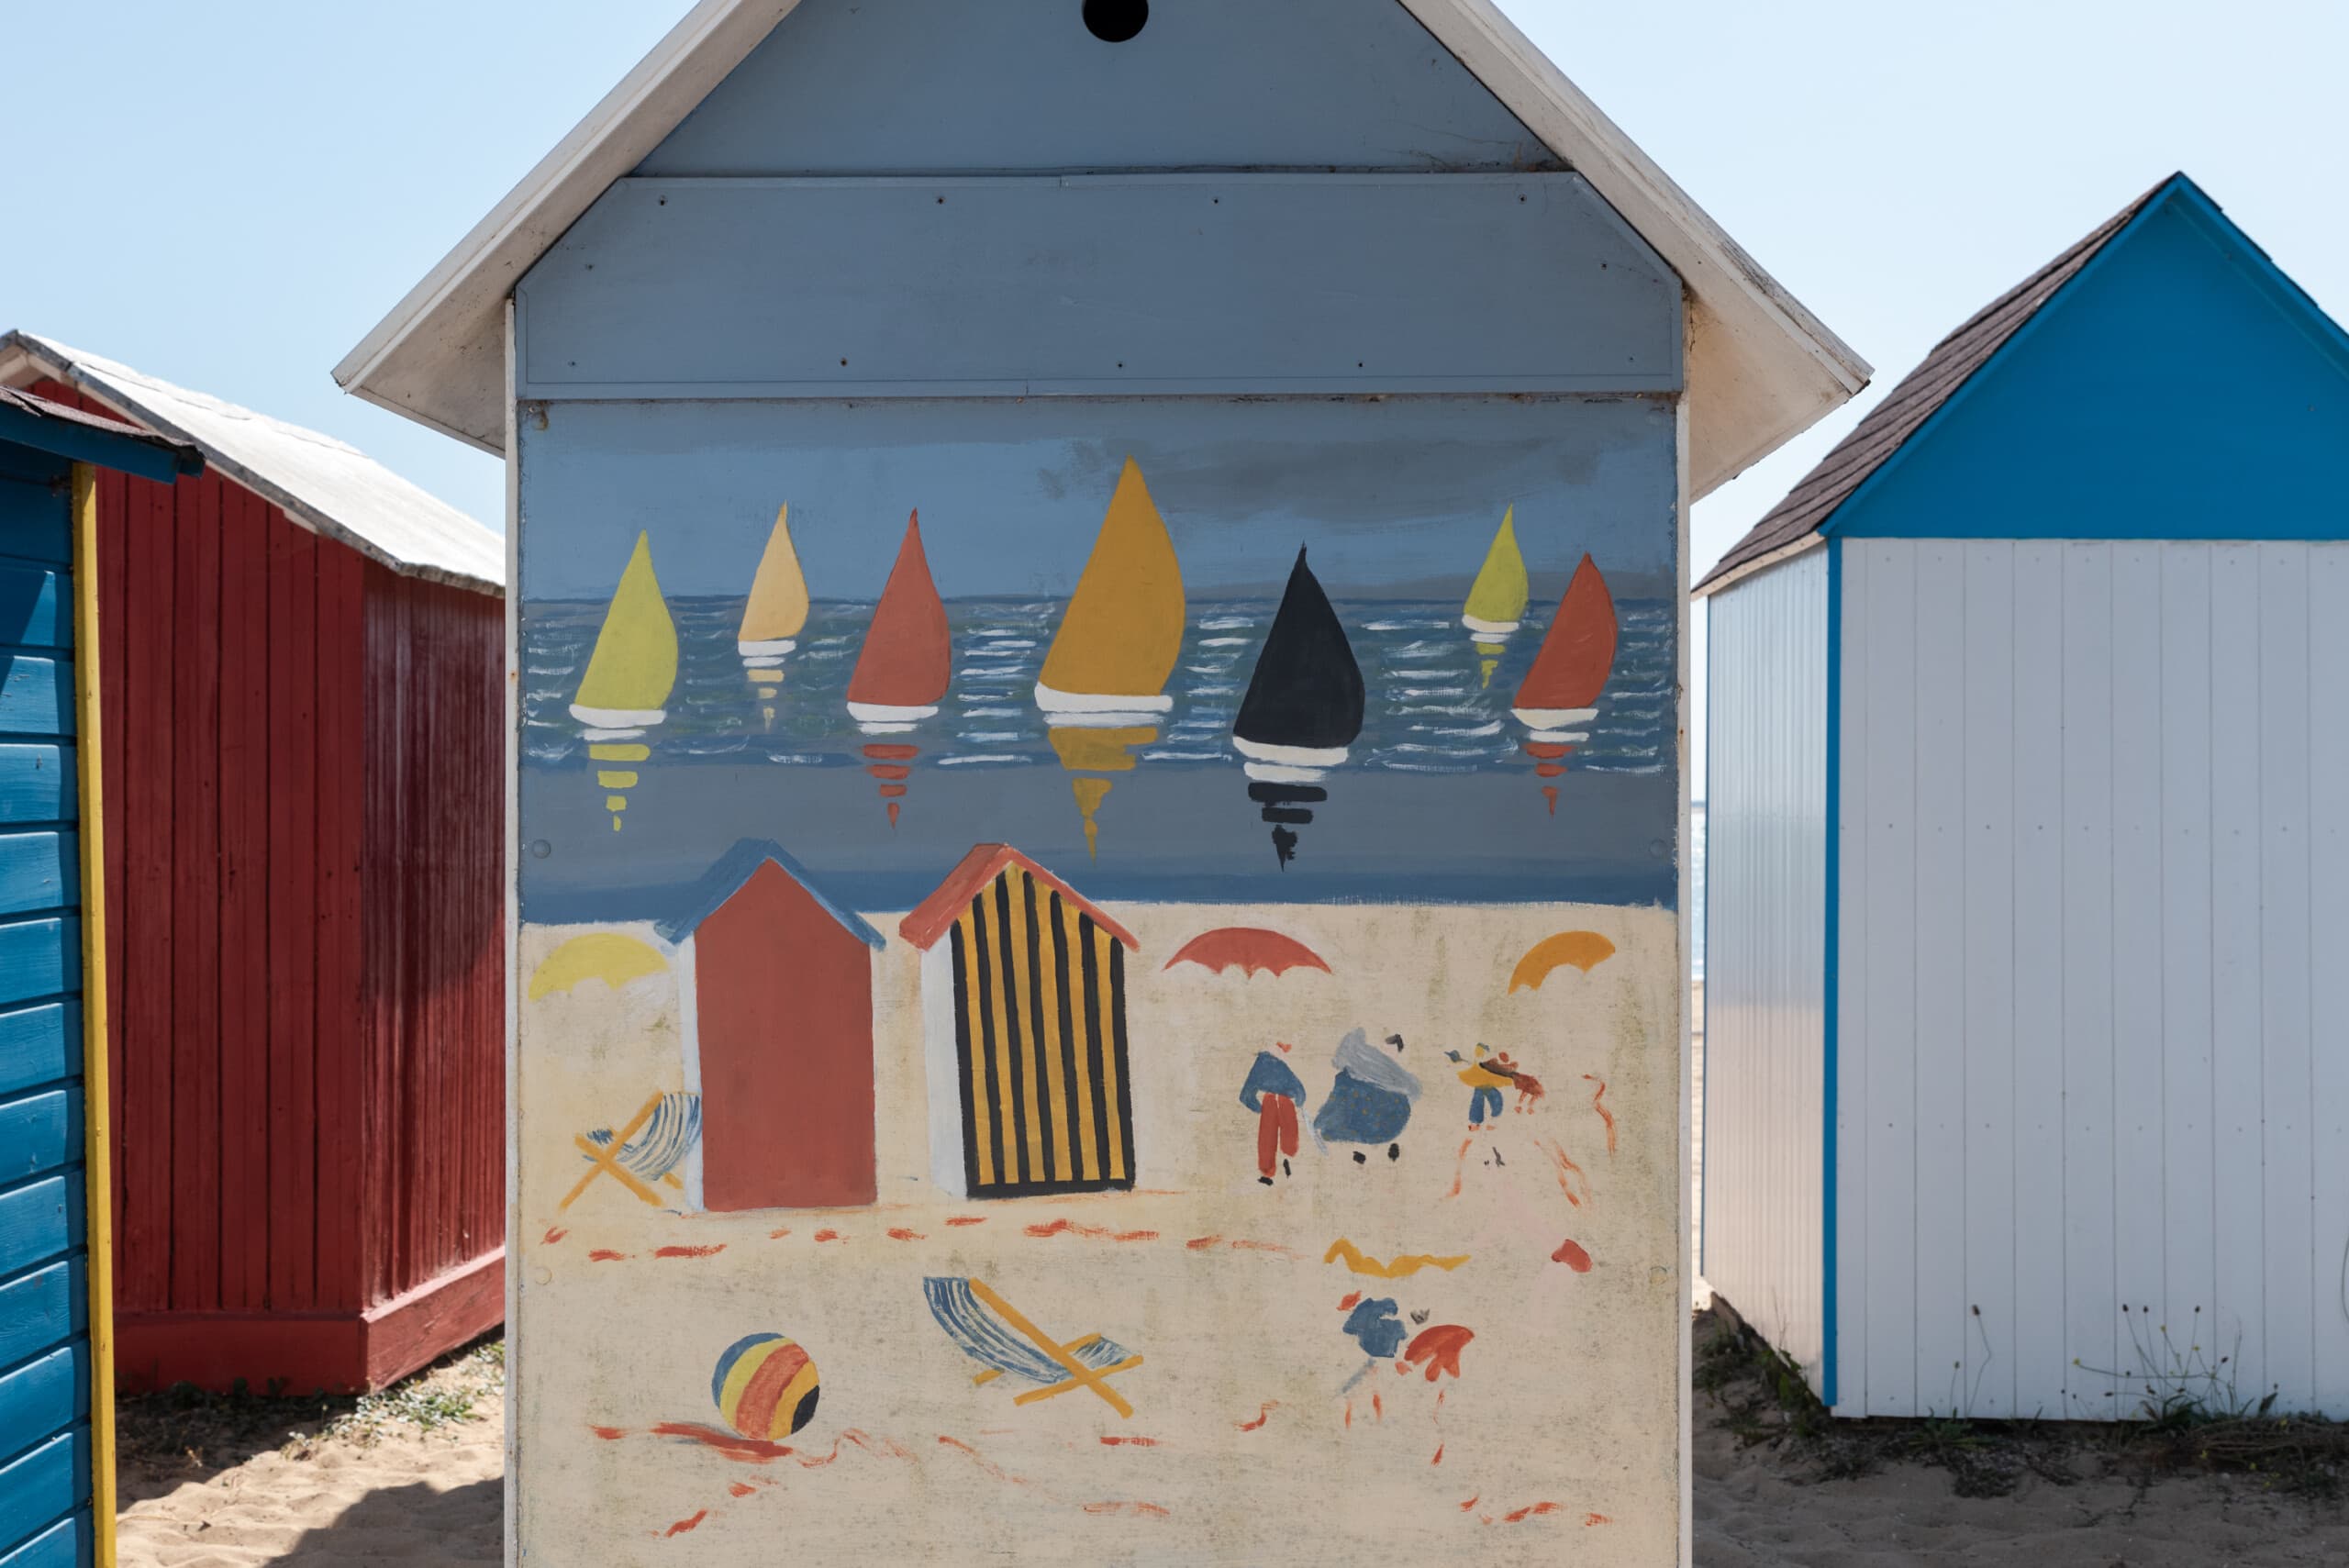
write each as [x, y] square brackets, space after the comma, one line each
[669, 288]
[1765, 964]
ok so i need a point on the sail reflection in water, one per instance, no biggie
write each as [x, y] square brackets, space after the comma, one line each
[1496, 601]
[774, 615]
[1103, 686]
[629, 676]
[1303, 710]
[1559, 694]
[904, 670]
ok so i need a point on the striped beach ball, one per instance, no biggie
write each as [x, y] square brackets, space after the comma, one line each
[765, 1387]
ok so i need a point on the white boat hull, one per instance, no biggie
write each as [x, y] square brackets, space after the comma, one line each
[1090, 710]
[632, 719]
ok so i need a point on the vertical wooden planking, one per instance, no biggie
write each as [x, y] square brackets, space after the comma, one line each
[1989, 1001]
[2042, 1370]
[2239, 1309]
[1850, 582]
[1886, 717]
[292, 912]
[2139, 1229]
[1937, 927]
[145, 1135]
[2089, 1310]
[2329, 934]
[2289, 1169]
[243, 758]
[2189, 1221]
[195, 1039]
[342, 764]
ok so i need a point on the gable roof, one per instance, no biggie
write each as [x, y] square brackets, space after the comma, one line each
[1795, 523]
[334, 490]
[1761, 367]
[728, 877]
[35, 422]
[980, 866]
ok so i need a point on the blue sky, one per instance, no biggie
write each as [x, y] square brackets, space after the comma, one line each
[248, 186]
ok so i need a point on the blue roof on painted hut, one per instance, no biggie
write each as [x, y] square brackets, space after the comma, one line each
[718, 885]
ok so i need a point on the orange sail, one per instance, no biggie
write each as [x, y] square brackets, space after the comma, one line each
[904, 668]
[1579, 652]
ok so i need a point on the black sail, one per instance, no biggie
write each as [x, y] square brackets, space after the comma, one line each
[1306, 691]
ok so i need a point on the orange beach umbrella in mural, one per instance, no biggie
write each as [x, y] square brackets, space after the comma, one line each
[1251, 949]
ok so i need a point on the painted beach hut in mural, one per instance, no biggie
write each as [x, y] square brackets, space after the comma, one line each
[302, 692]
[57, 1492]
[2029, 751]
[1023, 987]
[1300, 403]
[779, 1048]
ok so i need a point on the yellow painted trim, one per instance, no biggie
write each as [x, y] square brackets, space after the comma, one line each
[97, 1155]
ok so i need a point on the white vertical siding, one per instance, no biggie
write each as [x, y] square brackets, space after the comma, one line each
[2094, 1091]
[1765, 813]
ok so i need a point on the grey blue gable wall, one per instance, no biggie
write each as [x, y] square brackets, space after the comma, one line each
[969, 86]
[2180, 387]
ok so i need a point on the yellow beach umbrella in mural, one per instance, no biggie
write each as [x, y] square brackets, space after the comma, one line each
[1104, 680]
[1496, 600]
[774, 617]
[628, 679]
[608, 956]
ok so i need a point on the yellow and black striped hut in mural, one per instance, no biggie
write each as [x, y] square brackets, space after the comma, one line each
[1023, 987]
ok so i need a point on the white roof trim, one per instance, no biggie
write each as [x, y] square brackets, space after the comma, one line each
[1761, 367]
[1759, 564]
[326, 485]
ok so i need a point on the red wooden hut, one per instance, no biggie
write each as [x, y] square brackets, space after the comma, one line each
[781, 1044]
[302, 659]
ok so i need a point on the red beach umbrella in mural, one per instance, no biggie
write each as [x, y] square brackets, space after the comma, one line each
[1252, 949]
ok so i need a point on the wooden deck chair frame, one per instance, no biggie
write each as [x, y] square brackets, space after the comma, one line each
[1079, 1374]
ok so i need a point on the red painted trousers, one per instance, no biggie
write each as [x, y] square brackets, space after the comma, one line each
[1275, 1130]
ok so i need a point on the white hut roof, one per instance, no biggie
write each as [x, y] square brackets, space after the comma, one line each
[1761, 367]
[329, 487]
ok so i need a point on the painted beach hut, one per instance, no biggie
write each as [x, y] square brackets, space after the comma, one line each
[1160, 317]
[778, 1040]
[2030, 757]
[1023, 988]
[57, 1497]
[302, 701]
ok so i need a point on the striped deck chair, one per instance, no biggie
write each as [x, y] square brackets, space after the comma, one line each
[994, 1333]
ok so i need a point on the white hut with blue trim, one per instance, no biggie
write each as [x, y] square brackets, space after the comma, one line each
[2029, 769]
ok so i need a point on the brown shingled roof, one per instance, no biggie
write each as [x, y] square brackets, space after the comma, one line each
[1919, 395]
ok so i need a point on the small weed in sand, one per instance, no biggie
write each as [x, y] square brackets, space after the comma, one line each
[441, 1396]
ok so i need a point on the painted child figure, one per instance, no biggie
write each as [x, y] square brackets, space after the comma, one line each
[1485, 1081]
[1274, 1093]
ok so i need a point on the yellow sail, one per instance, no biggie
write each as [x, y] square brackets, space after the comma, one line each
[634, 666]
[1123, 627]
[778, 607]
[1499, 595]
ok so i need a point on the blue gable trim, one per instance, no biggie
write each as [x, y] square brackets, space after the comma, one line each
[737, 866]
[2180, 386]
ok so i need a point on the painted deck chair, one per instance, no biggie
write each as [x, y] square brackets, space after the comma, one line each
[994, 1333]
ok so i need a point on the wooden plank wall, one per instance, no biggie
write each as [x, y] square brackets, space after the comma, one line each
[433, 909]
[2095, 843]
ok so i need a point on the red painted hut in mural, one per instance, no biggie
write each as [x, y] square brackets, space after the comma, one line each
[779, 1037]
[301, 662]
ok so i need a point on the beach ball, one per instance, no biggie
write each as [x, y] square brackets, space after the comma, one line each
[765, 1387]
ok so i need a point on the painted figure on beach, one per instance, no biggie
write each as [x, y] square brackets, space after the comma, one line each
[1488, 1075]
[1274, 1093]
[1370, 1101]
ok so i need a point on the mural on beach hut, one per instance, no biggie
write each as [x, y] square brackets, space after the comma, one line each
[1102, 890]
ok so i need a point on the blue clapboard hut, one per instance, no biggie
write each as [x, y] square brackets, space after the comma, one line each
[2026, 1091]
[56, 1381]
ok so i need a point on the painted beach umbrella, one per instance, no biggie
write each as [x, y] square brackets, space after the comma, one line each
[904, 668]
[775, 615]
[629, 676]
[1249, 948]
[1103, 686]
[1496, 600]
[1303, 710]
[1585, 950]
[1561, 691]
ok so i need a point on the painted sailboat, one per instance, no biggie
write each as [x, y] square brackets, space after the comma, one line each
[629, 676]
[1103, 686]
[904, 668]
[1496, 600]
[1303, 711]
[1560, 692]
[774, 617]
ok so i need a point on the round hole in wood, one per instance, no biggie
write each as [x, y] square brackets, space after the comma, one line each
[1115, 22]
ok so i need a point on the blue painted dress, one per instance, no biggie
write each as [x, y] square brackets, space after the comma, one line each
[1371, 1100]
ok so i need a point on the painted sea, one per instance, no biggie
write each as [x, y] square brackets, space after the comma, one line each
[1409, 813]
